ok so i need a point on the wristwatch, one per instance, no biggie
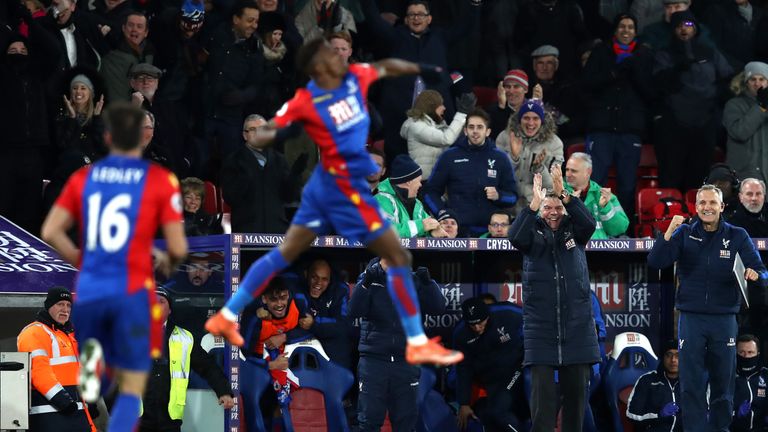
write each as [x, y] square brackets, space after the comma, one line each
[563, 195]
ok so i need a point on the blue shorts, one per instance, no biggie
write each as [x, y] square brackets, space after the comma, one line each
[123, 326]
[340, 205]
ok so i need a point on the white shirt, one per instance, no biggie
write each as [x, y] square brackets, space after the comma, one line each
[69, 40]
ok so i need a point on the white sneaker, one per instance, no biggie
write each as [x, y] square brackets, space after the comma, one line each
[91, 369]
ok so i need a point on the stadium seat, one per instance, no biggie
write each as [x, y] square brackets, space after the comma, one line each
[254, 379]
[211, 201]
[632, 357]
[573, 148]
[485, 95]
[690, 198]
[647, 199]
[434, 414]
[317, 404]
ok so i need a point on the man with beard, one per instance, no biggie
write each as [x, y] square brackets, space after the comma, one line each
[749, 399]
[751, 214]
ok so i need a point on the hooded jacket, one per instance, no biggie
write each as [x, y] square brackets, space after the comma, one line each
[406, 224]
[747, 128]
[427, 139]
[546, 140]
[558, 321]
[464, 171]
[705, 265]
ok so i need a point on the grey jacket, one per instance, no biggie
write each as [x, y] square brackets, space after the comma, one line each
[747, 127]
[427, 139]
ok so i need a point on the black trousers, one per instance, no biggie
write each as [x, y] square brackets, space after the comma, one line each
[387, 387]
[573, 396]
[505, 407]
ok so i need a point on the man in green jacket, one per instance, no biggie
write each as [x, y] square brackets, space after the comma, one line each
[397, 199]
[604, 206]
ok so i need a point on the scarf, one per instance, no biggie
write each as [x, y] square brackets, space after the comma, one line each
[623, 51]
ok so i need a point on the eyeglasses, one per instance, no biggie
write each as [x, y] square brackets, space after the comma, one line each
[498, 225]
[417, 15]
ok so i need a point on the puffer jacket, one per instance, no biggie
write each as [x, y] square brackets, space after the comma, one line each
[544, 140]
[705, 264]
[381, 334]
[427, 139]
[747, 128]
[558, 321]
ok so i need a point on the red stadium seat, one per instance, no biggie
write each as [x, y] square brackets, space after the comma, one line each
[211, 200]
[485, 95]
[647, 201]
[573, 148]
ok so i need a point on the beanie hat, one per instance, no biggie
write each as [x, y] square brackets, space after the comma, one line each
[680, 17]
[447, 214]
[755, 68]
[55, 295]
[193, 11]
[519, 76]
[669, 344]
[531, 105]
[82, 79]
[403, 169]
[474, 310]
[162, 292]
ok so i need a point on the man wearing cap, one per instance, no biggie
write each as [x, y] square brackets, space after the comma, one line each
[491, 338]
[477, 177]
[165, 397]
[654, 404]
[745, 118]
[133, 48]
[510, 95]
[50, 340]
[558, 319]
[688, 74]
[557, 90]
[397, 197]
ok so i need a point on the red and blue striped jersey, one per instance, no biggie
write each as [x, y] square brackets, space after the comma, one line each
[119, 203]
[337, 121]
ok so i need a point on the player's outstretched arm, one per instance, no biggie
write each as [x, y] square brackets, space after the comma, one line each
[395, 67]
[54, 232]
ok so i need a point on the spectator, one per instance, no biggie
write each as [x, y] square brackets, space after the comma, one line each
[498, 227]
[235, 77]
[749, 400]
[688, 73]
[491, 338]
[449, 222]
[477, 177]
[149, 149]
[50, 340]
[495, 42]
[733, 24]
[278, 70]
[557, 91]
[319, 18]
[375, 179]
[558, 322]
[397, 197]
[653, 405]
[165, 397]
[746, 121]
[618, 78]
[79, 35]
[196, 221]
[259, 183]
[418, 42]
[426, 130]
[510, 94]
[708, 299]
[197, 275]
[132, 49]
[79, 126]
[26, 66]
[387, 383]
[531, 142]
[327, 316]
[656, 36]
[114, 14]
[726, 179]
[342, 44]
[751, 213]
[611, 220]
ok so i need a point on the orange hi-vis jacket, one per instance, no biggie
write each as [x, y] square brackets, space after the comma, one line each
[54, 371]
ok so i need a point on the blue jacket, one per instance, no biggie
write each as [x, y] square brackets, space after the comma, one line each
[464, 171]
[493, 355]
[705, 265]
[331, 326]
[751, 388]
[381, 335]
[558, 324]
[651, 392]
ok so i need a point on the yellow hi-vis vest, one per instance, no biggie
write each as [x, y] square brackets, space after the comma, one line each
[179, 357]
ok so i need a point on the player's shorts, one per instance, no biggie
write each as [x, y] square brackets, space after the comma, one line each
[129, 333]
[340, 205]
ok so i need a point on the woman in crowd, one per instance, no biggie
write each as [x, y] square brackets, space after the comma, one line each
[79, 125]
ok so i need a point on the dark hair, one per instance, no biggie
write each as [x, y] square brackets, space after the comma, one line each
[239, 8]
[136, 13]
[375, 150]
[487, 297]
[305, 59]
[479, 112]
[502, 212]
[748, 337]
[424, 3]
[275, 286]
[622, 16]
[124, 122]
